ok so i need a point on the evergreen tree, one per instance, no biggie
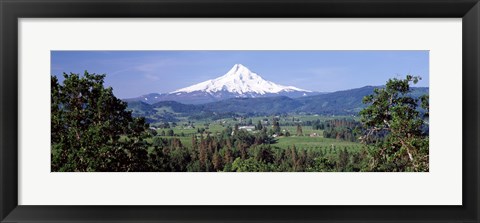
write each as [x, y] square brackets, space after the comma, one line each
[276, 126]
[217, 162]
[235, 128]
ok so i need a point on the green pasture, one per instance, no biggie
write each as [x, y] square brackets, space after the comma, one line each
[307, 141]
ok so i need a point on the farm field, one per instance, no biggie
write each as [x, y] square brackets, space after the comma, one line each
[311, 139]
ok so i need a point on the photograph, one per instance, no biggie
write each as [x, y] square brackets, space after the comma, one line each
[239, 111]
[210, 111]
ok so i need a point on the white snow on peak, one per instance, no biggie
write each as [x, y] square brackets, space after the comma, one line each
[239, 80]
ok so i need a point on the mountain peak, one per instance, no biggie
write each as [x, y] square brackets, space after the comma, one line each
[240, 80]
[238, 68]
[241, 72]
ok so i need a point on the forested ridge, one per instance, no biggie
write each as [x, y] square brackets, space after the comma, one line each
[348, 102]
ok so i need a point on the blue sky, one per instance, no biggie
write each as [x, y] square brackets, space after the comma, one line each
[134, 73]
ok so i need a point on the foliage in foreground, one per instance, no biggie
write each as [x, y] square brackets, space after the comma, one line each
[87, 121]
[395, 127]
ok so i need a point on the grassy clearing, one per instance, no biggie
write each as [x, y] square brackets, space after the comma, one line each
[307, 130]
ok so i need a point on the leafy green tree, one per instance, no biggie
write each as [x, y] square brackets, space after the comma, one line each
[91, 130]
[179, 158]
[393, 112]
[250, 165]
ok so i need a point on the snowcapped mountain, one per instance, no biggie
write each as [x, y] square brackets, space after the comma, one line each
[238, 82]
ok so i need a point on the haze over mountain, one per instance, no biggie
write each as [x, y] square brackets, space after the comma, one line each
[238, 82]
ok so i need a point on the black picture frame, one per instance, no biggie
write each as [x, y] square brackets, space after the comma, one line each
[12, 10]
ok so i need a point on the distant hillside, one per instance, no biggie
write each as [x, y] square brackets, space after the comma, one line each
[270, 105]
[348, 102]
[336, 103]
